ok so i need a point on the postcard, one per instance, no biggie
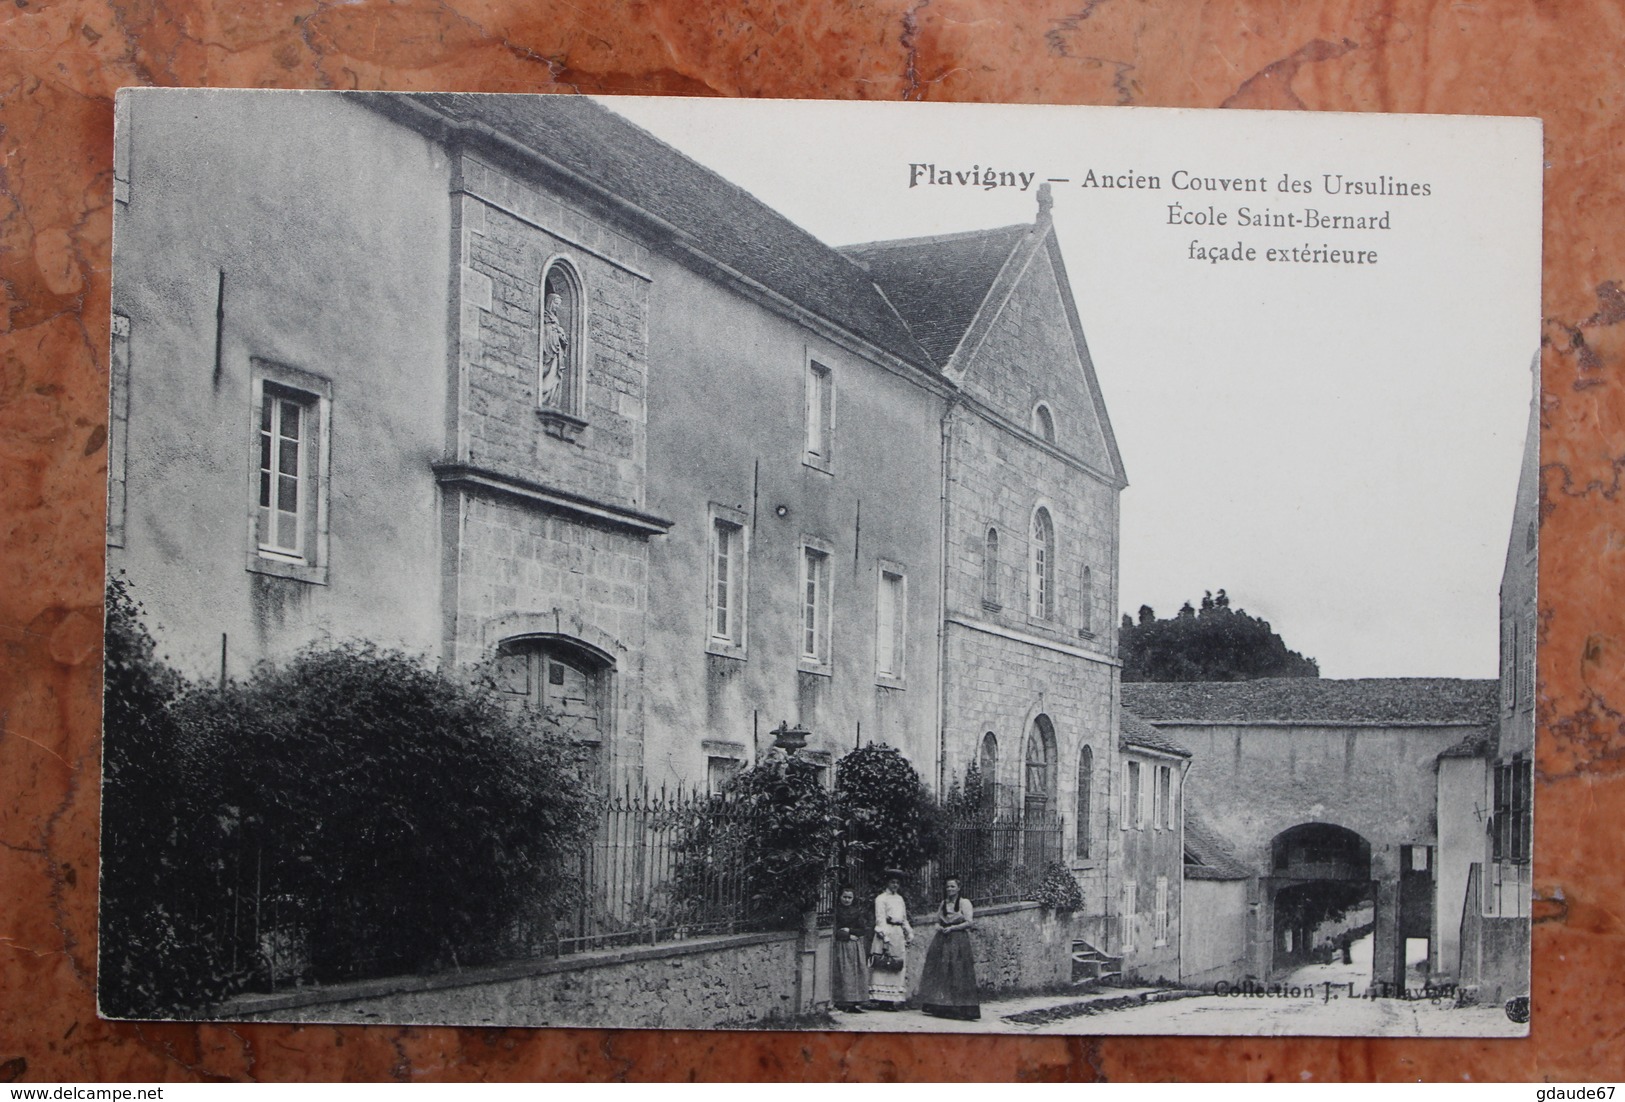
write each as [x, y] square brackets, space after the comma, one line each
[664, 563]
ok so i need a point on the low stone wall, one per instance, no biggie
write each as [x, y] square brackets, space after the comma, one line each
[1018, 947]
[705, 983]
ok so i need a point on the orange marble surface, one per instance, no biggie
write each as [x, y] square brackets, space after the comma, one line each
[60, 61]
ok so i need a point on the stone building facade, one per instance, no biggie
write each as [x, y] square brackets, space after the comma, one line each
[1495, 939]
[1329, 792]
[507, 382]
[1151, 823]
[1031, 480]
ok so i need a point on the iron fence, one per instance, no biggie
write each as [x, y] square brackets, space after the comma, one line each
[657, 866]
[997, 858]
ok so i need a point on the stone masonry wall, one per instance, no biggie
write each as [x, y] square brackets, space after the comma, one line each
[1006, 666]
[1213, 932]
[1029, 356]
[510, 233]
[514, 567]
[1000, 685]
[1017, 946]
[998, 481]
[707, 984]
[525, 572]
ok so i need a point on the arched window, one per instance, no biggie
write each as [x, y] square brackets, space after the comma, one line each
[1086, 601]
[1044, 423]
[1086, 785]
[1041, 563]
[990, 568]
[559, 382]
[1039, 781]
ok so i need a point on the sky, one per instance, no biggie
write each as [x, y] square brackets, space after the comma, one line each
[1335, 446]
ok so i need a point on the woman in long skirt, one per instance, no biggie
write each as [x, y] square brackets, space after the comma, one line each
[849, 964]
[888, 986]
[948, 984]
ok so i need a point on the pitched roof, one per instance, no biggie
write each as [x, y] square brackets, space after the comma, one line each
[1137, 733]
[1207, 855]
[1478, 744]
[1376, 701]
[719, 219]
[939, 283]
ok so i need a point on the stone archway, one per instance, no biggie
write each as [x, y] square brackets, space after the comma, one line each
[1320, 895]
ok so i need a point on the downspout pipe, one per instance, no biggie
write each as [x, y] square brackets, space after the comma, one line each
[946, 461]
[1183, 773]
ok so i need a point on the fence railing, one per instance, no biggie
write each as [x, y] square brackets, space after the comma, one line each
[997, 858]
[657, 866]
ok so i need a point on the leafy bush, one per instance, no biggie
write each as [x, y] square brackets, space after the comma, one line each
[888, 819]
[356, 807]
[416, 817]
[1058, 890]
[772, 826]
[163, 840]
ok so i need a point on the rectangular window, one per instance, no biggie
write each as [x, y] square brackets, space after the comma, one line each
[717, 772]
[890, 613]
[726, 536]
[1523, 675]
[726, 577]
[289, 471]
[1511, 836]
[815, 604]
[285, 474]
[1131, 907]
[820, 414]
[1131, 796]
[1160, 917]
[1165, 797]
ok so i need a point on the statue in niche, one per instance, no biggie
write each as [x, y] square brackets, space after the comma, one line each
[555, 351]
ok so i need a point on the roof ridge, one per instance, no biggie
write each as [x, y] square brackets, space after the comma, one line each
[932, 239]
[735, 187]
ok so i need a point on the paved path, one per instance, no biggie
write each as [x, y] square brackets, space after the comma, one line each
[1315, 1013]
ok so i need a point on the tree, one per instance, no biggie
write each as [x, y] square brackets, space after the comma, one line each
[1213, 643]
[887, 817]
[774, 826]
